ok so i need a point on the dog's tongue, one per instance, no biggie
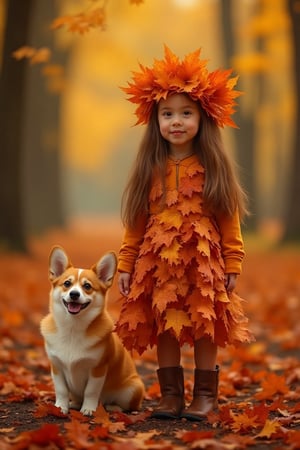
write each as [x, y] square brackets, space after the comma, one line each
[74, 307]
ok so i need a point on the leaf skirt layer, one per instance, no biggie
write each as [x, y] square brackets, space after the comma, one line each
[178, 285]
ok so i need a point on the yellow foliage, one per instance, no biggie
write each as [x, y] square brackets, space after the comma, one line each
[252, 63]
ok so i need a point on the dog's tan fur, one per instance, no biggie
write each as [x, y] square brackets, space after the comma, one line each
[89, 365]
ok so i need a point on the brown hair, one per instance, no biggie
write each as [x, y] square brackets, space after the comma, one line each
[222, 191]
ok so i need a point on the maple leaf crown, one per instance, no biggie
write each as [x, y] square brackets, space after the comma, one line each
[214, 90]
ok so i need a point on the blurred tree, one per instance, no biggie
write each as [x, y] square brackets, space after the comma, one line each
[244, 137]
[292, 230]
[12, 94]
[30, 195]
[41, 116]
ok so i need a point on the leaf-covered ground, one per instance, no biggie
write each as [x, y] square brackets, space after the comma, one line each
[259, 395]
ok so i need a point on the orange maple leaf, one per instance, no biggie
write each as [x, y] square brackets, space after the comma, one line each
[176, 319]
[78, 433]
[189, 185]
[164, 239]
[273, 384]
[44, 436]
[35, 56]
[155, 192]
[242, 422]
[194, 168]
[206, 309]
[145, 264]
[45, 409]
[82, 22]
[24, 52]
[41, 55]
[171, 197]
[202, 227]
[164, 295]
[191, 205]
[191, 436]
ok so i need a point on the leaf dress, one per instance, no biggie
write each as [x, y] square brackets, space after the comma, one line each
[178, 256]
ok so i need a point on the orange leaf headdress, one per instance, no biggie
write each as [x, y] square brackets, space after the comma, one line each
[214, 90]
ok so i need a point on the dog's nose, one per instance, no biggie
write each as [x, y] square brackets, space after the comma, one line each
[74, 295]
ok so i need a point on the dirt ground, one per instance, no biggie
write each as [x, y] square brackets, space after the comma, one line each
[271, 284]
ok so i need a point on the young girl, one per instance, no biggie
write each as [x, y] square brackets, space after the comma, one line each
[182, 248]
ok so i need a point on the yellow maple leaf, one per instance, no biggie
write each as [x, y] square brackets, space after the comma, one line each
[171, 218]
[176, 319]
[270, 427]
[203, 247]
[171, 254]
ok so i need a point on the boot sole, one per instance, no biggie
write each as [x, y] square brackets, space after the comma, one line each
[164, 415]
[192, 418]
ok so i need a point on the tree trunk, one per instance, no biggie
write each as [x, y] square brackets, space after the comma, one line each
[292, 232]
[244, 137]
[12, 81]
[41, 162]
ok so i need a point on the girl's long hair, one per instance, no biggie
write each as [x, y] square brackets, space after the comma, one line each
[222, 191]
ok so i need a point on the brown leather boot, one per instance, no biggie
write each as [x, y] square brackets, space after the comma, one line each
[172, 393]
[205, 395]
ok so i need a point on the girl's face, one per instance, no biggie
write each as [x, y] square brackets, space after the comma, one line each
[179, 120]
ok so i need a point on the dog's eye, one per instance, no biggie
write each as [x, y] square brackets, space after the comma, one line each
[67, 283]
[87, 286]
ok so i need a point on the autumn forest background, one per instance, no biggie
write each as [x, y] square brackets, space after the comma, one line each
[67, 142]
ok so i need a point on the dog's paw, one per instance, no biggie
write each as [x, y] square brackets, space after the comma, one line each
[64, 409]
[87, 412]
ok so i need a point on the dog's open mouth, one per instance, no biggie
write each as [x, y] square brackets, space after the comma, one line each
[75, 307]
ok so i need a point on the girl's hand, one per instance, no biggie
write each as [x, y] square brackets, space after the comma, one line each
[230, 281]
[124, 283]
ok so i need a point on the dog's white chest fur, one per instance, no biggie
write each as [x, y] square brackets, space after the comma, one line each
[74, 355]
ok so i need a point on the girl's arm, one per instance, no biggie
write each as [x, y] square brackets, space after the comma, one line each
[132, 240]
[231, 242]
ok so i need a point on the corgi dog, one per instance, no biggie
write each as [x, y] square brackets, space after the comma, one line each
[89, 364]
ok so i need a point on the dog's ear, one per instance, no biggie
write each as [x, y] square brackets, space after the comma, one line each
[58, 262]
[106, 268]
